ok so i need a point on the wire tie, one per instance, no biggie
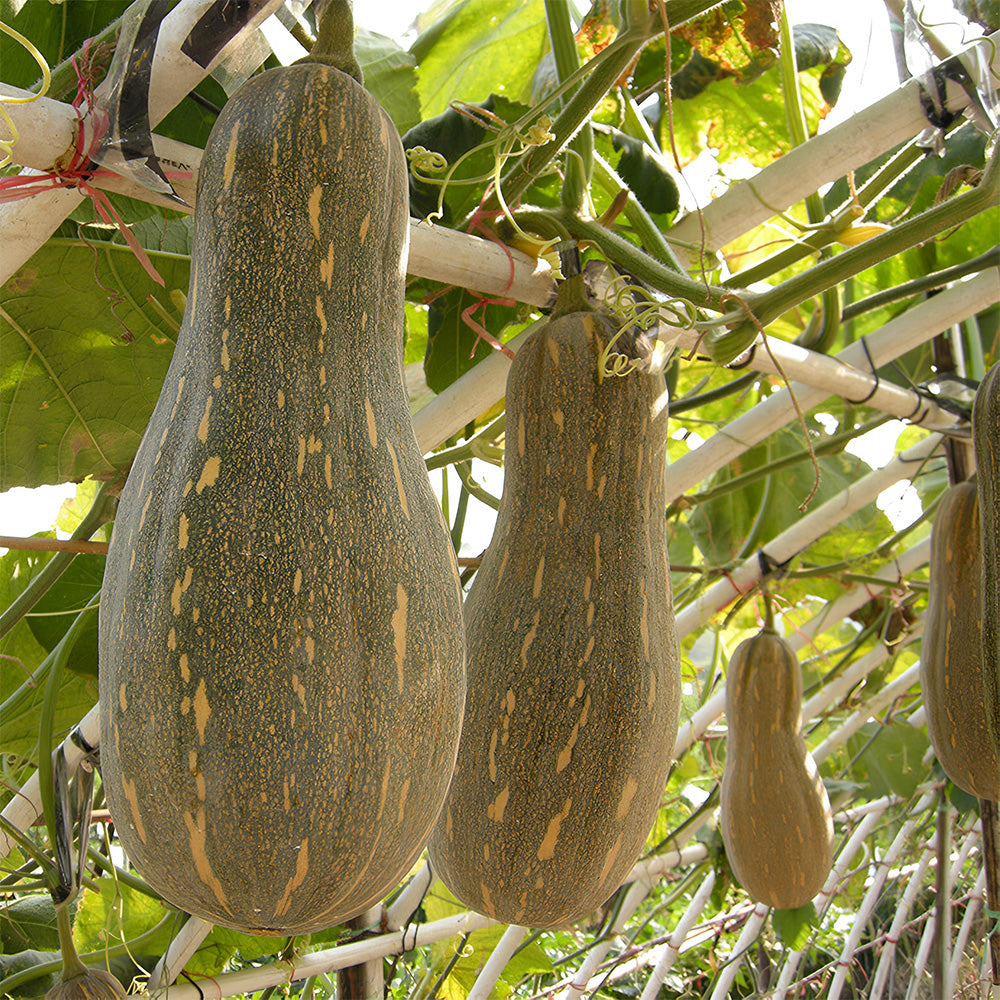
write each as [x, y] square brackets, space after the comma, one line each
[871, 365]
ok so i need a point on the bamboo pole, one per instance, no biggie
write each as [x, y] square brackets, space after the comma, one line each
[749, 934]
[327, 960]
[183, 945]
[26, 805]
[673, 947]
[858, 835]
[815, 377]
[912, 328]
[872, 893]
[509, 942]
[927, 938]
[831, 615]
[363, 981]
[876, 703]
[914, 884]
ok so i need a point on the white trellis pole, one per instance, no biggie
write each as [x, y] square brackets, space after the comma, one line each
[823, 159]
[806, 530]
[870, 818]
[509, 942]
[672, 949]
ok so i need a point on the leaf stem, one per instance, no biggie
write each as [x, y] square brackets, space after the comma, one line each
[580, 151]
[899, 238]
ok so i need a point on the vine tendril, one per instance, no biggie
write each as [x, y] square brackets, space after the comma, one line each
[7, 145]
[632, 305]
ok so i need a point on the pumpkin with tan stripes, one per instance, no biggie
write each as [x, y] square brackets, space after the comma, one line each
[774, 810]
[573, 697]
[281, 642]
[951, 652]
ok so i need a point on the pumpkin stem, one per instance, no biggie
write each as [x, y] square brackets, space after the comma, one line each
[335, 39]
[572, 296]
[768, 610]
[72, 966]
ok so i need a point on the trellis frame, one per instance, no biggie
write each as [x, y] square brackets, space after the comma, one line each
[444, 255]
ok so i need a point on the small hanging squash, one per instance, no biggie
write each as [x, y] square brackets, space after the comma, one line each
[775, 814]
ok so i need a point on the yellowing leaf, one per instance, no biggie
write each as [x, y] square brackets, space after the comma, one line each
[854, 235]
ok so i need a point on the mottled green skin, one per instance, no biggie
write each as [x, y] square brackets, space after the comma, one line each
[986, 437]
[281, 643]
[574, 669]
[951, 661]
[774, 812]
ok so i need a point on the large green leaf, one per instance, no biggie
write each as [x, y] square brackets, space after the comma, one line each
[889, 759]
[116, 912]
[75, 398]
[390, 75]
[78, 587]
[20, 655]
[479, 43]
[735, 524]
[453, 345]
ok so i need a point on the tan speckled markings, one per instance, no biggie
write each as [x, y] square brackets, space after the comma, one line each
[321, 316]
[566, 754]
[314, 198]
[496, 808]
[399, 634]
[195, 823]
[203, 426]
[209, 473]
[230, 164]
[132, 798]
[301, 870]
[547, 848]
[644, 620]
[180, 588]
[400, 489]
[536, 590]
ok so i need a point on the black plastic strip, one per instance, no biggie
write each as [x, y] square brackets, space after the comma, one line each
[217, 27]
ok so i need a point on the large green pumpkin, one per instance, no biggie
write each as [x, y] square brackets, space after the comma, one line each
[281, 642]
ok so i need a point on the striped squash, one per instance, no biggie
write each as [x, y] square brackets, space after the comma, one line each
[573, 696]
[281, 642]
[951, 657]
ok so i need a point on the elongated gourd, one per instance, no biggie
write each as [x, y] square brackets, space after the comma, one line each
[986, 439]
[951, 671]
[775, 815]
[281, 642]
[573, 697]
